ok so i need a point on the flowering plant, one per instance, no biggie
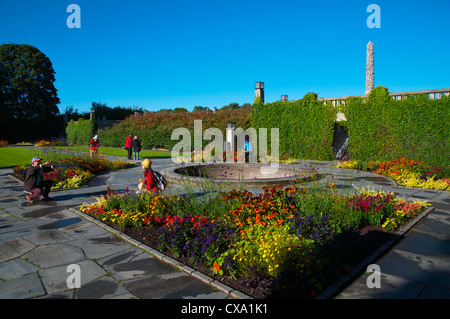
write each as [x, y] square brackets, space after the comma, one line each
[271, 235]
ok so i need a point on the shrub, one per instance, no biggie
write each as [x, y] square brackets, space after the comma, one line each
[80, 132]
[383, 129]
[306, 126]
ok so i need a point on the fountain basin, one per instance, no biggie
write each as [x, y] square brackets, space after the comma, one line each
[232, 175]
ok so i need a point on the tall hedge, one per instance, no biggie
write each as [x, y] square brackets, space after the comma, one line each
[383, 128]
[80, 132]
[306, 126]
[154, 129]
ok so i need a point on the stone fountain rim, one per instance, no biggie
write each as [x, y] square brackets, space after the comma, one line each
[173, 177]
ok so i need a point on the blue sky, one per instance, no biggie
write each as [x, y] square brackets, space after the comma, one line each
[167, 54]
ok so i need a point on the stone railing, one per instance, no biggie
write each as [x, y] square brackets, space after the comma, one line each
[432, 94]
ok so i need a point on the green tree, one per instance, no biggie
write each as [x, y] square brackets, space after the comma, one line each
[113, 113]
[199, 108]
[29, 100]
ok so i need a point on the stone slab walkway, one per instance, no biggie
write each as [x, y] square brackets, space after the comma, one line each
[39, 241]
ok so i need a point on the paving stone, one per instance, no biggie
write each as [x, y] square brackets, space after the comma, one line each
[14, 248]
[102, 288]
[100, 246]
[59, 295]
[419, 268]
[54, 255]
[47, 237]
[25, 226]
[15, 268]
[123, 256]
[16, 234]
[148, 267]
[55, 279]
[437, 224]
[28, 286]
[425, 244]
[392, 287]
[83, 230]
[155, 287]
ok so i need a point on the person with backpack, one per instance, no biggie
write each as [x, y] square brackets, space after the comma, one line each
[153, 180]
[136, 144]
[149, 183]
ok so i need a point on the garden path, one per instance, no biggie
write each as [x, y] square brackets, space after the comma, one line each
[37, 243]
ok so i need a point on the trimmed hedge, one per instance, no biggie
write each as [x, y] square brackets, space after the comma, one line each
[382, 128]
[306, 126]
[154, 129]
[80, 132]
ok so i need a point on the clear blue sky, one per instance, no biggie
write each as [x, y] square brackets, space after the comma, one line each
[167, 54]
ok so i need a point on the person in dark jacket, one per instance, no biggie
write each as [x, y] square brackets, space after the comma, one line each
[128, 145]
[136, 144]
[35, 185]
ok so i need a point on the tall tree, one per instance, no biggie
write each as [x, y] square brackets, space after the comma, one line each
[28, 97]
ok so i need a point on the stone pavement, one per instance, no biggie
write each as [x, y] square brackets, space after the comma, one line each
[39, 241]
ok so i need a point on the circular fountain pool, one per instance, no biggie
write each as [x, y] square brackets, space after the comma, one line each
[232, 174]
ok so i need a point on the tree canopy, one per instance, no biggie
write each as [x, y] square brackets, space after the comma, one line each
[28, 97]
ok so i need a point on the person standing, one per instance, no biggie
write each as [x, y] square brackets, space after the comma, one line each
[34, 184]
[93, 149]
[136, 144]
[248, 149]
[128, 145]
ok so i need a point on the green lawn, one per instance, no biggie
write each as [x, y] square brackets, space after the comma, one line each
[116, 151]
[13, 156]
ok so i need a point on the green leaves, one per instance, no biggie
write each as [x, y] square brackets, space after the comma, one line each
[28, 98]
[306, 126]
[384, 129]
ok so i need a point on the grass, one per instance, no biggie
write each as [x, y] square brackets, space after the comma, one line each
[113, 151]
[13, 156]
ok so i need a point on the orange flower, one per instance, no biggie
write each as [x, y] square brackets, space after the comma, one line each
[216, 266]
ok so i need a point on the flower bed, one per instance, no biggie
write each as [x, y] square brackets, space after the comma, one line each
[73, 172]
[284, 243]
[407, 172]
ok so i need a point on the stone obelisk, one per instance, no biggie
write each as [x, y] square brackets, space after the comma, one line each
[370, 76]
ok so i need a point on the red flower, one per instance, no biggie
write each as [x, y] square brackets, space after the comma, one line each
[216, 266]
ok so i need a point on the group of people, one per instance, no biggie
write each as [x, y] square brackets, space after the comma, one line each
[133, 145]
[36, 186]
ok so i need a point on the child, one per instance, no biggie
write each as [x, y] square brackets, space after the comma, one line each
[149, 182]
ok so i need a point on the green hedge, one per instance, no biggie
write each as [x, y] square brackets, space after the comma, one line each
[154, 129]
[306, 126]
[383, 128]
[80, 132]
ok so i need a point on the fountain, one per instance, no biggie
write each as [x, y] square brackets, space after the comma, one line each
[234, 175]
